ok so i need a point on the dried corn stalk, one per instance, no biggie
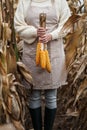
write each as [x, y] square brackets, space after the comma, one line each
[11, 103]
[73, 97]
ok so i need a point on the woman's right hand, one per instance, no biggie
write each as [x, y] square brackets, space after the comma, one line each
[41, 31]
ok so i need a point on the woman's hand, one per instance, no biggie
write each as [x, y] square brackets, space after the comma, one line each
[45, 38]
[41, 31]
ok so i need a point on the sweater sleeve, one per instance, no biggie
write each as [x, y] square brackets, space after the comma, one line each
[64, 15]
[27, 32]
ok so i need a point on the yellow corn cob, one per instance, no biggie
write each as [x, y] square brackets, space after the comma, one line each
[38, 53]
[48, 64]
[42, 59]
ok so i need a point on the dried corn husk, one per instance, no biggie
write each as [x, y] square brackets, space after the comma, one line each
[8, 126]
[81, 89]
[85, 5]
[11, 59]
[18, 125]
[25, 73]
[10, 96]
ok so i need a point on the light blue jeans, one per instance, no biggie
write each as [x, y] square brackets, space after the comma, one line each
[50, 99]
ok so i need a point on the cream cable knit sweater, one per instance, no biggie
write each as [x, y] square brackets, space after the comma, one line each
[29, 33]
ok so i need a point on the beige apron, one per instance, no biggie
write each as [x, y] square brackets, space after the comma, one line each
[43, 79]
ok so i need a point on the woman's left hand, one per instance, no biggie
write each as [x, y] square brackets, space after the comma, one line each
[45, 38]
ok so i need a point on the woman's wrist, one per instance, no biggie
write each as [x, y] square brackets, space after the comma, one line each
[49, 37]
[45, 38]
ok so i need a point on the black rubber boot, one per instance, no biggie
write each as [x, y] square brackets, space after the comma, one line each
[49, 118]
[36, 117]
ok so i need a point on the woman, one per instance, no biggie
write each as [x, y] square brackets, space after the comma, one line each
[26, 22]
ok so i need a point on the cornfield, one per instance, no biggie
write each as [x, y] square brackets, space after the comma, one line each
[71, 98]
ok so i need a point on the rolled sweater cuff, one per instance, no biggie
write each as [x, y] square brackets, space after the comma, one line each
[54, 35]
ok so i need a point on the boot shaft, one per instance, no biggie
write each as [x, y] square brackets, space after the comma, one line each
[49, 118]
[36, 116]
